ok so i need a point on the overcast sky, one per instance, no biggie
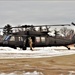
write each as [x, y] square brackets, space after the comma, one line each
[36, 12]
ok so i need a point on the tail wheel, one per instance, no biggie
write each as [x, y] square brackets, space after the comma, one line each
[68, 48]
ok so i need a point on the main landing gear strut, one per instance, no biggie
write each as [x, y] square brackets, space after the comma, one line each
[67, 47]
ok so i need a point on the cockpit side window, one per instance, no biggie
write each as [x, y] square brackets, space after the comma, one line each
[4, 37]
[12, 38]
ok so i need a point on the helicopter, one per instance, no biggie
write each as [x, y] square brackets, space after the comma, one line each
[40, 38]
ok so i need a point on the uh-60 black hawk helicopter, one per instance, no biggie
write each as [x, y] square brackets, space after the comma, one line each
[40, 38]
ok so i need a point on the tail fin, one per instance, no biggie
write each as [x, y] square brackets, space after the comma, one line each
[73, 23]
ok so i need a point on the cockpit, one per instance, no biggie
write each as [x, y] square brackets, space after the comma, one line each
[6, 37]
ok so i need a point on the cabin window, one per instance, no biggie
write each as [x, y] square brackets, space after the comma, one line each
[37, 39]
[12, 38]
[20, 38]
[42, 39]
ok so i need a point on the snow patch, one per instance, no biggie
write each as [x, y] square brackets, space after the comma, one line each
[25, 73]
[71, 72]
[6, 52]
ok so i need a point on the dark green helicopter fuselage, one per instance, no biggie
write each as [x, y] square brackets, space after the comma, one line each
[39, 40]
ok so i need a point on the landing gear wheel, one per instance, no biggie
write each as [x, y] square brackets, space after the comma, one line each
[68, 48]
[15, 47]
[24, 48]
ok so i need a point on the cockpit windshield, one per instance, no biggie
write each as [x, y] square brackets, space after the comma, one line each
[6, 37]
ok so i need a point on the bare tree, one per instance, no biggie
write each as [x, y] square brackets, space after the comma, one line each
[70, 33]
[67, 32]
[64, 31]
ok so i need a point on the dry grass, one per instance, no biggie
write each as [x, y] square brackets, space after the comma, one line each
[49, 66]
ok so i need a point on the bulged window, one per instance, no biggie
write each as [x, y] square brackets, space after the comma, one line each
[12, 38]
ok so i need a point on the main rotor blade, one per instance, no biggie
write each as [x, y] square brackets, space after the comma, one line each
[54, 25]
[26, 26]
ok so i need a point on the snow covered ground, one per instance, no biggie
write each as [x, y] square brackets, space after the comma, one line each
[24, 73]
[34, 73]
[6, 52]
